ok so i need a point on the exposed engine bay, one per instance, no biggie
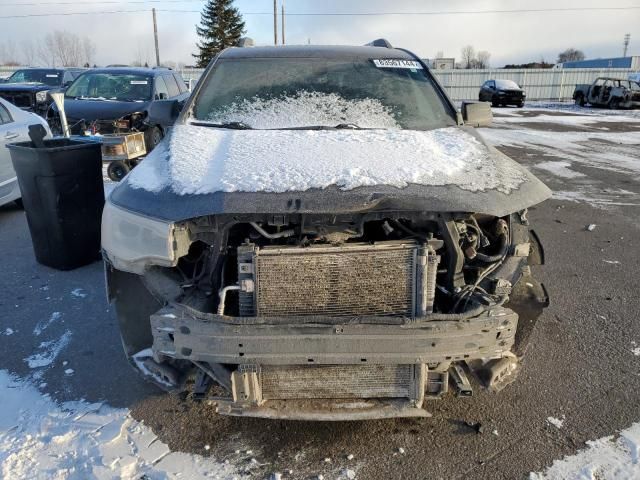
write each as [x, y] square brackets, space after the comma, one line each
[350, 316]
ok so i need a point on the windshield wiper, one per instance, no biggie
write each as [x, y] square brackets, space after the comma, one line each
[340, 126]
[229, 125]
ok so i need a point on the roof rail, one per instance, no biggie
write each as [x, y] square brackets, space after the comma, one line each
[380, 42]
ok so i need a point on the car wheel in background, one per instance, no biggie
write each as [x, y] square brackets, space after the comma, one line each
[494, 102]
[579, 100]
[520, 105]
[117, 170]
[152, 137]
[614, 104]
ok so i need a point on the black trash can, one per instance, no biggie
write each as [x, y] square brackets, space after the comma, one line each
[63, 196]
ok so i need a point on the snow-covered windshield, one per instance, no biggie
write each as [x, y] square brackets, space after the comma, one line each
[507, 85]
[270, 93]
[121, 87]
[46, 76]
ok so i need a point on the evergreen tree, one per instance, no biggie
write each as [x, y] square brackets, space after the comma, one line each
[221, 26]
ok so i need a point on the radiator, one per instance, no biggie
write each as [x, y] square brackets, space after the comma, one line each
[386, 278]
[340, 381]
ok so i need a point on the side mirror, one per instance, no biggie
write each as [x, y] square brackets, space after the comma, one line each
[477, 114]
[177, 108]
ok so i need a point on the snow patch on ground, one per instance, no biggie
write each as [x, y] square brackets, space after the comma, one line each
[306, 109]
[49, 351]
[556, 422]
[608, 151]
[40, 439]
[206, 160]
[42, 325]
[559, 169]
[607, 458]
[78, 293]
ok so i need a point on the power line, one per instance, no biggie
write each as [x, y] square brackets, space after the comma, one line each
[337, 14]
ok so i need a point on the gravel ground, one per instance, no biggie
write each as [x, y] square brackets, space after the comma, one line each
[580, 366]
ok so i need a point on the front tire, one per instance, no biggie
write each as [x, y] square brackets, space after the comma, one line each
[494, 102]
[118, 170]
[579, 100]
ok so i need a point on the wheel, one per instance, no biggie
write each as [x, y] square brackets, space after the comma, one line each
[579, 100]
[152, 138]
[494, 102]
[520, 105]
[117, 170]
[614, 104]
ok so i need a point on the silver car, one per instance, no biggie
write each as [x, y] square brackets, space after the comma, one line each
[14, 127]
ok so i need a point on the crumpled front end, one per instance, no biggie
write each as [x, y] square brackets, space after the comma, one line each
[326, 317]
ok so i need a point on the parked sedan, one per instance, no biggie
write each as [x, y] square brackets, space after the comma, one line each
[14, 124]
[501, 93]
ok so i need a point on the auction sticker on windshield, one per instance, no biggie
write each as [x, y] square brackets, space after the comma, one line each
[139, 82]
[395, 63]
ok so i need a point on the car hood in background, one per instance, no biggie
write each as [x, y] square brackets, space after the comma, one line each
[203, 172]
[25, 87]
[90, 110]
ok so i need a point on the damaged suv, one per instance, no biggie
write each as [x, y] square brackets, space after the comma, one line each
[323, 236]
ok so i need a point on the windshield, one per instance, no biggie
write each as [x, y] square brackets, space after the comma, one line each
[507, 84]
[268, 93]
[48, 77]
[111, 86]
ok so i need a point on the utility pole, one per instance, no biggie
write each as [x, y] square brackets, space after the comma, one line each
[627, 38]
[275, 22]
[283, 22]
[155, 36]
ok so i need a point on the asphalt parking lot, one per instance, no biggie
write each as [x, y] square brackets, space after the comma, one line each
[580, 368]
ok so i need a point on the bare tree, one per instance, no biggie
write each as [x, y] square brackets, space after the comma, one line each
[8, 54]
[482, 59]
[88, 50]
[28, 52]
[570, 55]
[468, 56]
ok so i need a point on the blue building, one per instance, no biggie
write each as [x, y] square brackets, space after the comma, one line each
[617, 62]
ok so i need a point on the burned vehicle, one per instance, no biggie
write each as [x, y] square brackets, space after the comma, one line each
[130, 109]
[29, 88]
[323, 236]
[607, 92]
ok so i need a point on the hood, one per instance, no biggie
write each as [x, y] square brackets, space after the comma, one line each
[90, 110]
[25, 87]
[200, 171]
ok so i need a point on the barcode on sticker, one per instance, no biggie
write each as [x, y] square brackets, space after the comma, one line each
[395, 63]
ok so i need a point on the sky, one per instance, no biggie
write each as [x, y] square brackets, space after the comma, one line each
[509, 37]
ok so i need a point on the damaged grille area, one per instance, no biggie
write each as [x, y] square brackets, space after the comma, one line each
[336, 381]
[357, 279]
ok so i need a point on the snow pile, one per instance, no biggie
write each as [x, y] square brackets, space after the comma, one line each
[48, 352]
[603, 459]
[42, 440]
[202, 160]
[304, 109]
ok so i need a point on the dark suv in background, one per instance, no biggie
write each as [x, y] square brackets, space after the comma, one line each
[29, 88]
[123, 101]
[501, 93]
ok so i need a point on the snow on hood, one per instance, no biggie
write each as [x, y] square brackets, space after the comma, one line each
[201, 160]
[307, 108]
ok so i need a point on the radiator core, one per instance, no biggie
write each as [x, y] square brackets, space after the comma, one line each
[387, 278]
